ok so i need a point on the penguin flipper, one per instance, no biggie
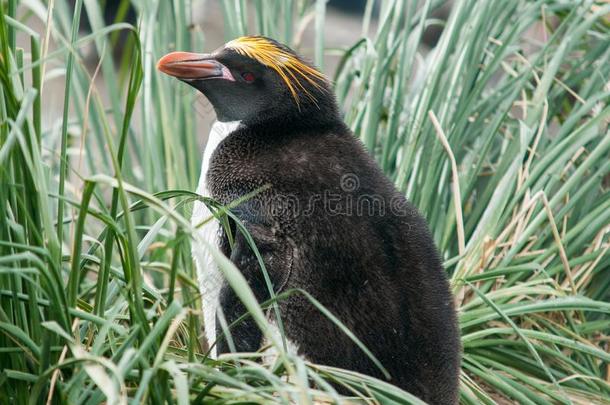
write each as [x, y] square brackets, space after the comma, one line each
[276, 254]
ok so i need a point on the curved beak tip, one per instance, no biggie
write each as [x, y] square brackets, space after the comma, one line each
[160, 64]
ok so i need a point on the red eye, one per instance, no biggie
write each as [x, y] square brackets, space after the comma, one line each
[249, 77]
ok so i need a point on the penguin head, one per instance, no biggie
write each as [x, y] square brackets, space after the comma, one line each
[255, 79]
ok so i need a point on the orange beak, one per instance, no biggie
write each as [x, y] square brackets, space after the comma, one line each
[193, 66]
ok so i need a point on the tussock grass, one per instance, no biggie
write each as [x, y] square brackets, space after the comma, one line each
[499, 134]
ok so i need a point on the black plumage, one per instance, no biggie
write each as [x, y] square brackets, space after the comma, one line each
[328, 222]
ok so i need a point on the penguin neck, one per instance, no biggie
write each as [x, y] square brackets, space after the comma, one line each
[295, 123]
[287, 116]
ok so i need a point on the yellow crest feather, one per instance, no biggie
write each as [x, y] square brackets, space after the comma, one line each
[287, 65]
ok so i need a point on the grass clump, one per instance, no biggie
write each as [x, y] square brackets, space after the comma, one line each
[499, 134]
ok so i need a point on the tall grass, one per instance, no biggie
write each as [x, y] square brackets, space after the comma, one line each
[499, 134]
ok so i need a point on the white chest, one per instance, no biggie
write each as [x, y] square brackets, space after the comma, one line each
[208, 275]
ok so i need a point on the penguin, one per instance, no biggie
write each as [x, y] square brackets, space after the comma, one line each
[325, 219]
